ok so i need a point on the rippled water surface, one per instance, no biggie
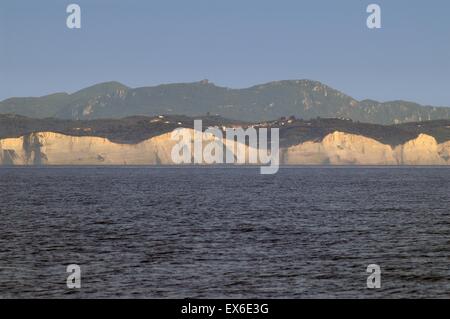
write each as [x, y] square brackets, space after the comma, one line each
[218, 232]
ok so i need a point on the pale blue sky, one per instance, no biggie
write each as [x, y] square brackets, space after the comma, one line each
[235, 43]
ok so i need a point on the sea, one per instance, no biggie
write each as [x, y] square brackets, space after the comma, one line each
[225, 232]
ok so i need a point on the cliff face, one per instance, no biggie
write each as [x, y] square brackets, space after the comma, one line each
[47, 148]
[346, 149]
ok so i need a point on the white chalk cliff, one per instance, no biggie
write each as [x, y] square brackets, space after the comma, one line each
[346, 149]
[48, 148]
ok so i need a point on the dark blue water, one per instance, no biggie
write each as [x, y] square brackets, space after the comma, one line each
[204, 232]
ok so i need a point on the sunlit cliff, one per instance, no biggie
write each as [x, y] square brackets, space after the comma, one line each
[48, 148]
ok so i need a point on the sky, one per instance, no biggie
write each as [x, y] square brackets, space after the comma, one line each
[233, 43]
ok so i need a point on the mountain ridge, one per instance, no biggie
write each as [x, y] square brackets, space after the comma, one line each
[306, 99]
